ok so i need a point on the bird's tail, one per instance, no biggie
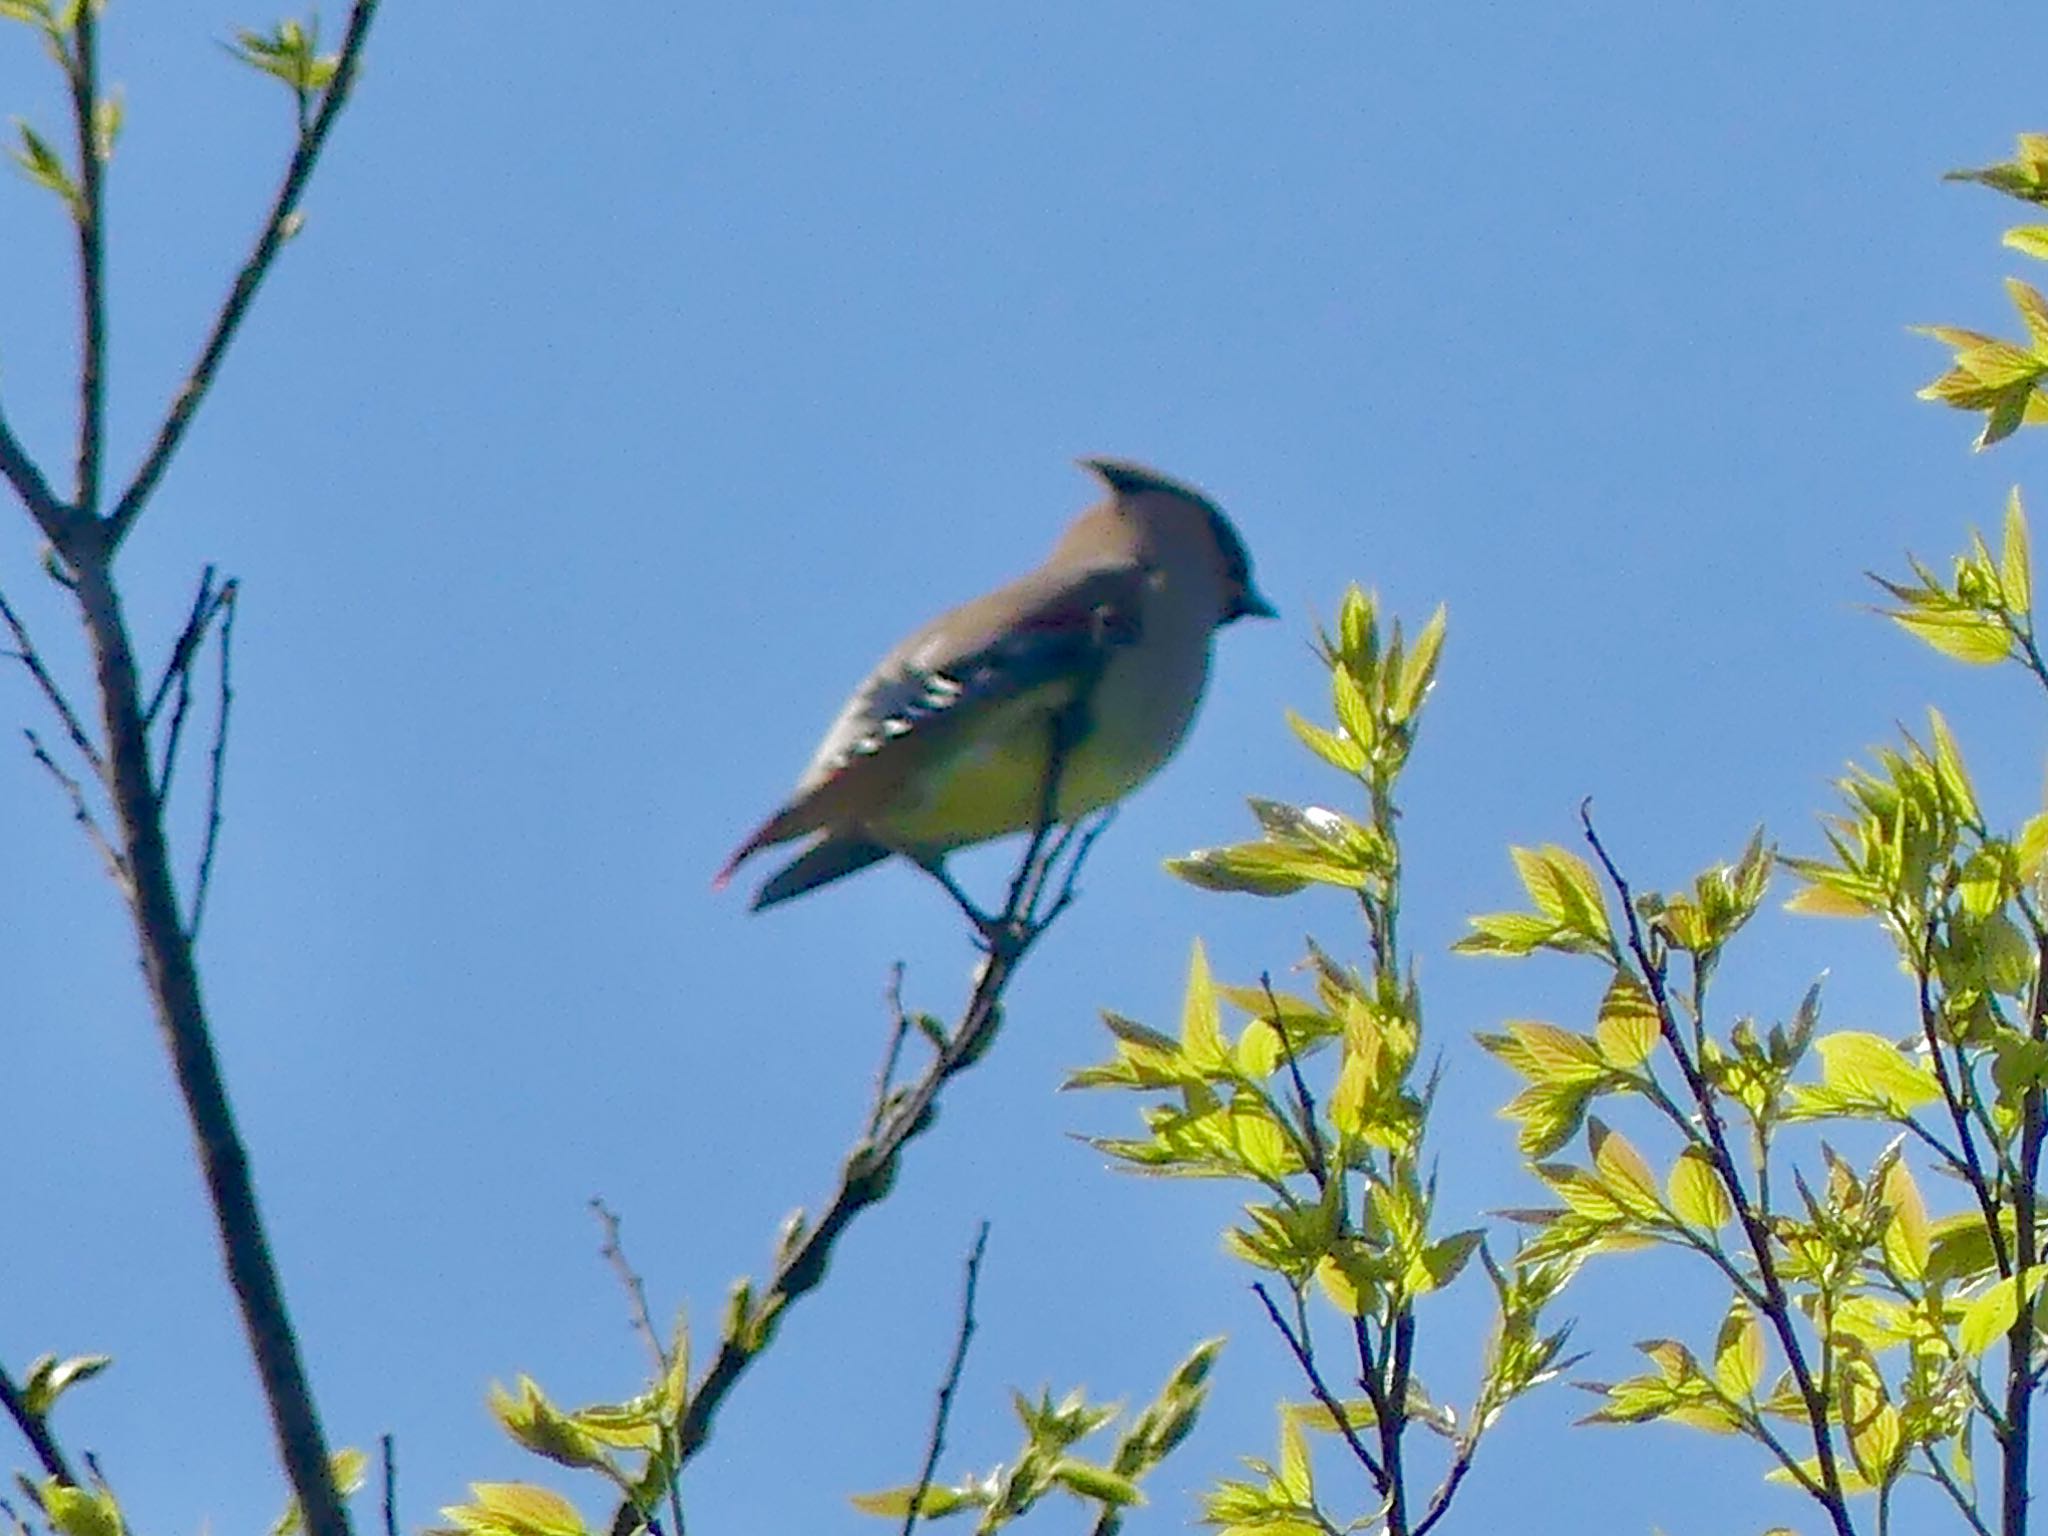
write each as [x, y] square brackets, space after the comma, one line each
[779, 828]
[833, 859]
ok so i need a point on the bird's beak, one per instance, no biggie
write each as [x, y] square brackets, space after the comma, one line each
[1251, 605]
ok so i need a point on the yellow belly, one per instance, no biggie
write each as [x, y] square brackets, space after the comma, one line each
[995, 783]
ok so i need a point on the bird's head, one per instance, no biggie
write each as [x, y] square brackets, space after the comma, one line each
[1178, 518]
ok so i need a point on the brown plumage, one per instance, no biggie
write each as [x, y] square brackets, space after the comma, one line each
[946, 741]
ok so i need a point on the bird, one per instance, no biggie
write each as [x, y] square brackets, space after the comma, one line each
[1039, 703]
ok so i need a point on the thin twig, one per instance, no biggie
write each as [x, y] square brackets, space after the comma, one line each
[217, 761]
[1304, 1356]
[937, 1443]
[25, 652]
[899, 1026]
[81, 812]
[275, 231]
[35, 1431]
[187, 642]
[614, 1253]
[1778, 1306]
[390, 1448]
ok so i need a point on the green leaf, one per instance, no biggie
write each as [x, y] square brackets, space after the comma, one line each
[1443, 1259]
[1419, 670]
[544, 1429]
[2015, 559]
[1989, 1316]
[1696, 1193]
[1201, 1031]
[43, 166]
[1624, 1171]
[1549, 1114]
[1093, 1482]
[81, 1511]
[1907, 1237]
[2033, 310]
[1507, 933]
[1968, 637]
[1629, 1025]
[50, 1378]
[1268, 868]
[1338, 751]
[2028, 240]
[1739, 1352]
[1950, 773]
[894, 1503]
[516, 1509]
[1868, 1069]
[1354, 711]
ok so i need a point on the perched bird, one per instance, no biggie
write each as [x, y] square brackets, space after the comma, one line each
[1092, 664]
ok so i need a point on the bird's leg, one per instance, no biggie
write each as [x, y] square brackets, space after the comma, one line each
[985, 927]
[1063, 732]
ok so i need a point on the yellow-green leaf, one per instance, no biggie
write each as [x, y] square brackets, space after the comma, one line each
[1623, 1170]
[1696, 1193]
[1988, 1317]
[1870, 1069]
[1739, 1352]
[1907, 1241]
[2015, 559]
[1201, 1031]
[1628, 1028]
[1969, 637]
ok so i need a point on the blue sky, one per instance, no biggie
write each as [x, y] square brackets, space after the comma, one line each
[636, 381]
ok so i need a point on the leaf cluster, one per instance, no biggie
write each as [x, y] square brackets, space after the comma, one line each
[1047, 1463]
[1313, 1098]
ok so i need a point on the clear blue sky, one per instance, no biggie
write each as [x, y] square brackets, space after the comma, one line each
[643, 372]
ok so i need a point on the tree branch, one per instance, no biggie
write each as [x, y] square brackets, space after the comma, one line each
[870, 1168]
[25, 653]
[173, 979]
[1778, 1306]
[1305, 1357]
[82, 813]
[217, 759]
[937, 1444]
[614, 1253]
[50, 514]
[277, 228]
[81, 69]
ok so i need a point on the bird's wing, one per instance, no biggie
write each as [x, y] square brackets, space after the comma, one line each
[1051, 630]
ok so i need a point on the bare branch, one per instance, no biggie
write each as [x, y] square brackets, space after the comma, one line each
[82, 813]
[885, 1080]
[50, 514]
[276, 230]
[390, 1448]
[187, 642]
[937, 1443]
[25, 653]
[171, 971]
[218, 758]
[81, 68]
[1305, 1356]
[614, 1254]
